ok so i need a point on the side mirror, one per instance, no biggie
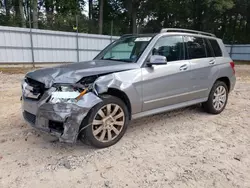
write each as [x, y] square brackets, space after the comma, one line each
[157, 60]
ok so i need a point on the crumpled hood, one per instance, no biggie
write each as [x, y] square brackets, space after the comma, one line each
[72, 73]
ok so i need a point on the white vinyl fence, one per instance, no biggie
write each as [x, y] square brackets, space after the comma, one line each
[21, 45]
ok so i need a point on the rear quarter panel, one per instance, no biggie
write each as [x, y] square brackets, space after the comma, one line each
[224, 70]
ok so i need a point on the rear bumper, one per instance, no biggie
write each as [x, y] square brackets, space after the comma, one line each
[62, 119]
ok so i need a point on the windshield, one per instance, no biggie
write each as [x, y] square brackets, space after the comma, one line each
[126, 49]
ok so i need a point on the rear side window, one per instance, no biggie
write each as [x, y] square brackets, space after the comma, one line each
[216, 47]
[195, 47]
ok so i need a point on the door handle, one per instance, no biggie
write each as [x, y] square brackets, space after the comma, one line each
[183, 67]
[212, 62]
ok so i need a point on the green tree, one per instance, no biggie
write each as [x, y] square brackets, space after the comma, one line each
[101, 4]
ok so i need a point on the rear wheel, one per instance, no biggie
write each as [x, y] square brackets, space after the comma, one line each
[109, 120]
[218, 97]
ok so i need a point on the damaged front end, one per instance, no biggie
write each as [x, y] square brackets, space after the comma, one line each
[61, 109]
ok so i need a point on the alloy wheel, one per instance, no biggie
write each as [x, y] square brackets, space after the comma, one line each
[219, 98]
[108, 122]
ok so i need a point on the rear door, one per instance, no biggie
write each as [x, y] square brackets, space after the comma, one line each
[202, 62]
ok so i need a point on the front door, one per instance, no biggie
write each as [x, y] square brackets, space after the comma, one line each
[169, 84]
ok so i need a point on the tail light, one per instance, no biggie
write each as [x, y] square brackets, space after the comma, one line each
[232, 66]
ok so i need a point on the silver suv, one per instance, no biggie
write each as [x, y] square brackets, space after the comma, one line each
[135, 76]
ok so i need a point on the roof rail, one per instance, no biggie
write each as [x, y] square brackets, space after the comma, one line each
[186, 31]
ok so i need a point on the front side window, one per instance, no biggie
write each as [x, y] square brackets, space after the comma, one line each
[195, 47]
[171, 47]
[127, 49]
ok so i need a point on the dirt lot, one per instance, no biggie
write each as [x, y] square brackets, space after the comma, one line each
[183, 148]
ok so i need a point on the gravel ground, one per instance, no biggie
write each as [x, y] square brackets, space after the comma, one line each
[183, 148]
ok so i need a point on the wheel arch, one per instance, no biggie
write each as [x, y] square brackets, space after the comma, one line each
[226, 80]
[113, 92]
[121, 95]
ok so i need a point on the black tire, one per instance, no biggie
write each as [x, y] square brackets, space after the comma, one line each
[209, 106]
[88, 136]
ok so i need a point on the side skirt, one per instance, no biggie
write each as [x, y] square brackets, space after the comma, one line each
[168, 108]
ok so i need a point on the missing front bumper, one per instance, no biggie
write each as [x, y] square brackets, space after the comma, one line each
[69, 116]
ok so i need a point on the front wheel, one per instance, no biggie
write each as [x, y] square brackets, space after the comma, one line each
[108, 122]
[217, 99]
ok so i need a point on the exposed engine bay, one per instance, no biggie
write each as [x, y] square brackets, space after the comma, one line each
[61, 108]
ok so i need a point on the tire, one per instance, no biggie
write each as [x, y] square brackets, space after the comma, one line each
[108, 122]
[210, 105]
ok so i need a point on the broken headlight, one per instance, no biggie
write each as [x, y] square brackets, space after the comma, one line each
[72, 93]
[66, 94]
